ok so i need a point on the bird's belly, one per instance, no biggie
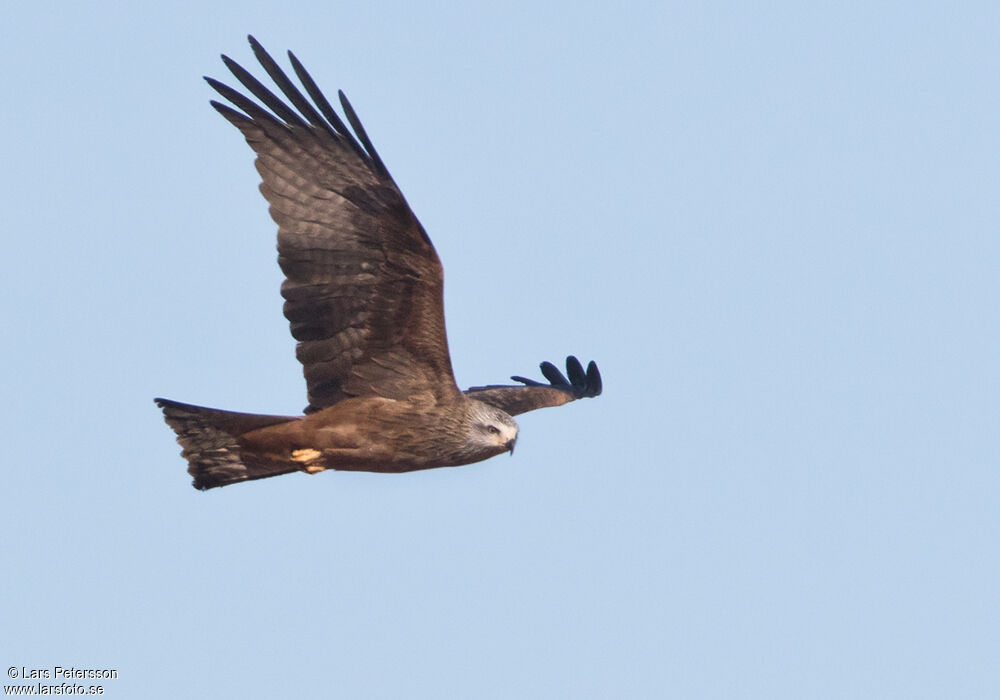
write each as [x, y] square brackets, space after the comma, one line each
[378, 435]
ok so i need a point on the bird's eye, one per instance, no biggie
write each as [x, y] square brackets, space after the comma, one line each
[493, 430]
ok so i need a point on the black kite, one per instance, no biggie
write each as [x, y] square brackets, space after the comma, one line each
[363, 294]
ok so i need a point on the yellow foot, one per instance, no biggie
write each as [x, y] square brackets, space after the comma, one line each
[306, 456]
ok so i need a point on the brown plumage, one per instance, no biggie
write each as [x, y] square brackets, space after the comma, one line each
[363, 293]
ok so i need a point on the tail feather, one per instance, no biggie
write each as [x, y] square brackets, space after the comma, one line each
[210, 441]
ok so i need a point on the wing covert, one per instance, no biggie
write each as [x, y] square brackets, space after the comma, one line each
[363, 284]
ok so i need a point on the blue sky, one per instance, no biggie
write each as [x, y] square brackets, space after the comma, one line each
[775, 227]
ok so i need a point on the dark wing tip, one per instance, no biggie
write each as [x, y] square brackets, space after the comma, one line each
[526, 381]
[581, 383]
[577, 377]
[555, 377]
[594, 381]
[585, 383]
[359, 130]
[319, 114]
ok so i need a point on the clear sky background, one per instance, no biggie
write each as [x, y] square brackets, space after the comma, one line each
[776, 227]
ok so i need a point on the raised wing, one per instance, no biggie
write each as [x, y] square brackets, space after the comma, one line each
[363, 287]
[521, 399]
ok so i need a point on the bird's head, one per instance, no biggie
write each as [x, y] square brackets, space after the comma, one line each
[491, 429]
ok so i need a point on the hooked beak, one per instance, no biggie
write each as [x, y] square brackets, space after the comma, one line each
[510, 446]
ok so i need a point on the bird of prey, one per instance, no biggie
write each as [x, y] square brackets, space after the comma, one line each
[363, 293]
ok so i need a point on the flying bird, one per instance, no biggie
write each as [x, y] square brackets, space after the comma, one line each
[363, 293]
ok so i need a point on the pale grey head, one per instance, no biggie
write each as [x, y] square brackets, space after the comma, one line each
[489, 429]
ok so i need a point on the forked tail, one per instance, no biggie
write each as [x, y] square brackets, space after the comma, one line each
[210, 441]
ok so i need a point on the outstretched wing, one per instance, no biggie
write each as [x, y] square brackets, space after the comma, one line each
[521, 399]
[363, 287]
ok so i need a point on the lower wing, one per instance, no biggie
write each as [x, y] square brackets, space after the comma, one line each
[560, 389]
